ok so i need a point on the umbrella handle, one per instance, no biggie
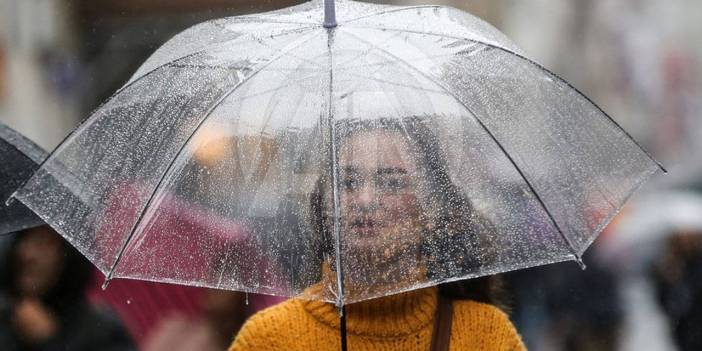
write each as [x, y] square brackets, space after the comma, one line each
[342, 328]
[329, 14]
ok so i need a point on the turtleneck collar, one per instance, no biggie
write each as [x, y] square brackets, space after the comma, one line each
[390, 316]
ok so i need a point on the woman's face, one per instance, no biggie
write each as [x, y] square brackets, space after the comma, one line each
[38, 260]
[378, 193]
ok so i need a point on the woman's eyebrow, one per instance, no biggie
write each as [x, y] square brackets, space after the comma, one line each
[391, 170]
[350, 169]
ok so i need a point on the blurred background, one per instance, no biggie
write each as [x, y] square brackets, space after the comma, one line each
[637, 59]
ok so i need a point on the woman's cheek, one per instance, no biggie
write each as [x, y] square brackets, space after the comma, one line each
[400, 207]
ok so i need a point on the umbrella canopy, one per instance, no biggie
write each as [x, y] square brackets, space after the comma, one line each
[19, 158]
[401, 148]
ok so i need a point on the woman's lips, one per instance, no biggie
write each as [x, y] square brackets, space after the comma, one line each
[364, 226]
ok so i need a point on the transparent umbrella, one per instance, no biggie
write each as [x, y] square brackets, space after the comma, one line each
[19, 158]
[399, 148]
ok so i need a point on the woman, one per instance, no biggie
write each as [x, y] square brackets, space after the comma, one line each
[404, 223]
[42, 298]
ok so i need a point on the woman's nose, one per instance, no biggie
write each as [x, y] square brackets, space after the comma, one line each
[366, 197]
[27, 252]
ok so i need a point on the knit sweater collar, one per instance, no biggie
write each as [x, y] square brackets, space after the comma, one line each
[390, 316]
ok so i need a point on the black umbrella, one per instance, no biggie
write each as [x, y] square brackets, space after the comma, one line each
[19, 158]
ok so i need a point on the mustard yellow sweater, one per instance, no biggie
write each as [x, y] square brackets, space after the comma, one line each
[398, 322]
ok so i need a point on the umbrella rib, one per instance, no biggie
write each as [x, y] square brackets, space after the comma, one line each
[573, 250]
[537, 65]
[335, 178]
[144, 209]
[335, 194]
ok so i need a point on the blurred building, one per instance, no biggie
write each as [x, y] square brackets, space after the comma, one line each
[34, 99]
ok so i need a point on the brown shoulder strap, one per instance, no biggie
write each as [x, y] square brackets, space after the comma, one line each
[441, 335]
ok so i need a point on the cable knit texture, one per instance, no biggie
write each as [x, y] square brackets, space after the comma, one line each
[398, 322]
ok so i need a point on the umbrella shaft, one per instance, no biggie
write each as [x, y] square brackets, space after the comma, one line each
[329, 14]
[342, 328]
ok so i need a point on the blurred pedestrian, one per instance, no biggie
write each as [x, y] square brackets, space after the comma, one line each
[223, 315]
[678, 279]
[562, 307]
[42, 298]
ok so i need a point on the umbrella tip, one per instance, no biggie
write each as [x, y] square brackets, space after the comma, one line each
[106, 283]
[580, 262]
[11, 200]
[665, 171]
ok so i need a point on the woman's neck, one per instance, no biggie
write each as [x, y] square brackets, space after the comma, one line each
[394, 315]
[365, 281]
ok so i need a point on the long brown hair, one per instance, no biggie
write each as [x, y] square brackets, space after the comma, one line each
[458, 229]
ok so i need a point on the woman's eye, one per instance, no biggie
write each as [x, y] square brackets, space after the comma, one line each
[350, 184]
[392, 184]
